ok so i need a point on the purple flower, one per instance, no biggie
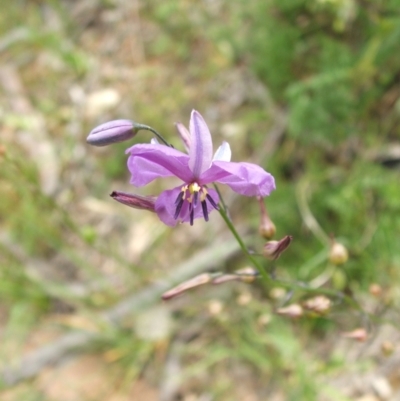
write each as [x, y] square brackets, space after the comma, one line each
[193, 199]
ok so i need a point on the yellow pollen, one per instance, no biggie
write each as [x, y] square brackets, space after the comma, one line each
[195, 187]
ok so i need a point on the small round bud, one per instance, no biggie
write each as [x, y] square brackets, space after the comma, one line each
[267, 228]
[375, 290]
[387, 348]
[293, 310]
[112, 132]
[319, 304]
[338, 254]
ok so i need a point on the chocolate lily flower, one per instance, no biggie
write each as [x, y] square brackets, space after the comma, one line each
[193, 199]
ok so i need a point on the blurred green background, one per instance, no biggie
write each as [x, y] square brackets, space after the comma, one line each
[309, 89]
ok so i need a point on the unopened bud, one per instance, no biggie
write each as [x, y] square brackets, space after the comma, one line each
[293, 310]
[266, 228]
[187, 285]
[112, 132]
[387, 348]
[359, 334]
[273, 249]
[338, 253]
[319, 304]
[135, 201]
[375, 290]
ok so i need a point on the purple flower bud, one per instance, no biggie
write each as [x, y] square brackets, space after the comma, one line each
[112, 132]
[135, 201]
[273, 249]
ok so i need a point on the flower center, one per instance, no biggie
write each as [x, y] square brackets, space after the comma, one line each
[191, 193]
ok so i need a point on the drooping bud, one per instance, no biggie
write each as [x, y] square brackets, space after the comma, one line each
[293, 310]
[266, 228]
[187, 285]
[273, 249]
[319, 304]
[135, 201]
[113, 132]
[338, 253]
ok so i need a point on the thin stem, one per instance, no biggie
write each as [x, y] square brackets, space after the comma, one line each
[221, 200]
[159, 136]
[243, 246]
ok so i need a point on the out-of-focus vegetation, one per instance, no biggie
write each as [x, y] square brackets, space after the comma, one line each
[310, 89]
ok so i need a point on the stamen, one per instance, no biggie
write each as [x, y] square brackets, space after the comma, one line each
[181, 194]
[179, 198]
[195, 199]
[205, 211]
[191, 216]
[211, 200]
[178, 208]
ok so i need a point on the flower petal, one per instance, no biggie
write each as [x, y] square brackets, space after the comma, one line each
[223, 153]
[150, 161]
[244, 178]
[165, 207]
[184, 134]
[201, 149]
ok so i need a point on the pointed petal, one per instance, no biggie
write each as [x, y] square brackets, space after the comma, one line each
[223, 153]
[184, 134]
[147, 162]
[154, 141]
[201, 149]
[244, 178]
[165, 207]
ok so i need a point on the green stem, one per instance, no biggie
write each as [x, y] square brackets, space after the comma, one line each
[268, 281]
[159, 136]
[253, 260]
